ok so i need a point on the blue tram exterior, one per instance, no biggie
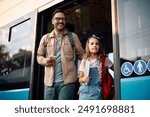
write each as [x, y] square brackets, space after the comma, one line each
[134, 38]
[123, 26]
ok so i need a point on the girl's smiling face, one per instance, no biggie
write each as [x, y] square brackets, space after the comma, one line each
[93, 45]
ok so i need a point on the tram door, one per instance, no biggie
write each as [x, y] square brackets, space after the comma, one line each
[16, 50]
[84, 17]
[134, 40]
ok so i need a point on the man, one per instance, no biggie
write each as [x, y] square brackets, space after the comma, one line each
[60, 71]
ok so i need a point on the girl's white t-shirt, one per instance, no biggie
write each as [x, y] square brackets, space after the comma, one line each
[95, 63]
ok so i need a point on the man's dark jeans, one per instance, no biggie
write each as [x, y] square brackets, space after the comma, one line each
[60, 91]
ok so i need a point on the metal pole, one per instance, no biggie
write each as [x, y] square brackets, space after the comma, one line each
[115, 35]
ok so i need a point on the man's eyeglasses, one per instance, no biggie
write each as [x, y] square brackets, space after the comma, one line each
[94, 36]
[59, 18]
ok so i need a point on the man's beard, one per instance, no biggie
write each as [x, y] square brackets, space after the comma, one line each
[61, 29]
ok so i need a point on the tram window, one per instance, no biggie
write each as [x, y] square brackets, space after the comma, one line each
[15, 53]
[134, 36]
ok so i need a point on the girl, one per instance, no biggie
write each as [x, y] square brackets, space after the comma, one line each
[90, 88]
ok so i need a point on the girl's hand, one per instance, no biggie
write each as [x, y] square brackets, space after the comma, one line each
[85, 79]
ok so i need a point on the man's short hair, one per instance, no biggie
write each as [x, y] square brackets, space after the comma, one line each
[58, 10]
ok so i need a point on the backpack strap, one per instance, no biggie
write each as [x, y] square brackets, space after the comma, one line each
[71, 39]
[103, 67]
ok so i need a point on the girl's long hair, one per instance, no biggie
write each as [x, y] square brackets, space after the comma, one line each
[100, 52]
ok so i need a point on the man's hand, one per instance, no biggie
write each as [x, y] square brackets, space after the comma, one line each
[49, 62]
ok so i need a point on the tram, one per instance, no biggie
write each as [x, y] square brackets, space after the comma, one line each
[123, 26]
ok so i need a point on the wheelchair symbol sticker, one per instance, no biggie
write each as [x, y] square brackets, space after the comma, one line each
[140, 67]
[148, 65]
[126, 69]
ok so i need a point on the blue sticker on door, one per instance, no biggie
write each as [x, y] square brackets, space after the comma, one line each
[126, 69]
[140, 67]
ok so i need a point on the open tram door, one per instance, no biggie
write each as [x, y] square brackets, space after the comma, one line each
[131, 39]
[84, 17]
